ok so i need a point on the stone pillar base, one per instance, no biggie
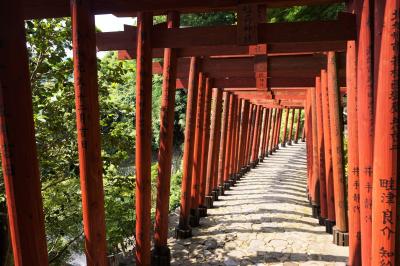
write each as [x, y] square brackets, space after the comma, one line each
[283, 144]
[182, 232]
[321, 221]
[161, 256]
[253, 165]
[209, 201]
[227, 185]
[340, 238]
[329, 226]
[215, 194]
[202, 211]
[315, 211]
[194, 218]
[296, 141]
[261, 159]
[221, 191]
[289, 143]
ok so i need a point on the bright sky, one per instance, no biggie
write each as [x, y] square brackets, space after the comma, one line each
[111, 23]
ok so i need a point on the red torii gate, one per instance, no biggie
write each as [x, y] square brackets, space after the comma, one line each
[376, 71]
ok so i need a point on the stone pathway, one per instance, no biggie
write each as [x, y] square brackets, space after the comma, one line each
[264, 220]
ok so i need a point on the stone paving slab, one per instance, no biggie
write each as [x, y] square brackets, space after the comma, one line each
[264, 220]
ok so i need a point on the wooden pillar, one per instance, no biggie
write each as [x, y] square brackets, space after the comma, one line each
[331, 219]
[284, 138]
[278, 129]
[340, 230]
[143, 137]
[205, 149]
[88, 128]
[353, 158]
[365, 110]
[315, 167]
[184, 230]
[303, 134]
[161, 252]
[250, 131]
[217, 95]
[257, 130]
[196, 169]
[308, 127]
[296, 138]
[254, 152]
[223, 142]
[243, 134]
[230, 137]
[218, 127]
[321, 156]
[17, 140]
[386, 217]
[265, 133]
[236, 172]
[273, 131]
[290, 139]
[269, 126]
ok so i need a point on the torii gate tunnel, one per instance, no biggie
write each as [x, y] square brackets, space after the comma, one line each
[240, 79]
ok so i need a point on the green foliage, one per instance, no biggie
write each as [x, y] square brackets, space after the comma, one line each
[305, 13]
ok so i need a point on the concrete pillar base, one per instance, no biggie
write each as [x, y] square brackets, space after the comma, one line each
[227, 185]
[321, 221]
[289, 143]
[261, 159]
[202, 211]
[329, 226]
[182, 232]
[283, 144]
[209, 201]
[315, 211]
[161, 256]
[296, 141]
[253, 165]
[340, 238]
[194, 218]
[248, 168]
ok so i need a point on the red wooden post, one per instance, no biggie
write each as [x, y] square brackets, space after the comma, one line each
[321, 156]
[250, 133]
[217, 95]
[353, 173]
[236, 171]
[291, 127]
[386, 219]
[308, 127]
[205, 143]
[365, 110]
[230, 137]
[340, 231]
[223, 142]
[303, 134]
[259, 131]
[243, 135]
[284, 139]
[17, 140]
[254, 152]
[264, 134]
[88, 128]
[273, 130]
[161, 253]
[143, 137]
[184, 230]
[331, 219]
[296, 138]
[278, 129]
[268, 133]
[218, 127]
[196, 169]
[315, 184]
